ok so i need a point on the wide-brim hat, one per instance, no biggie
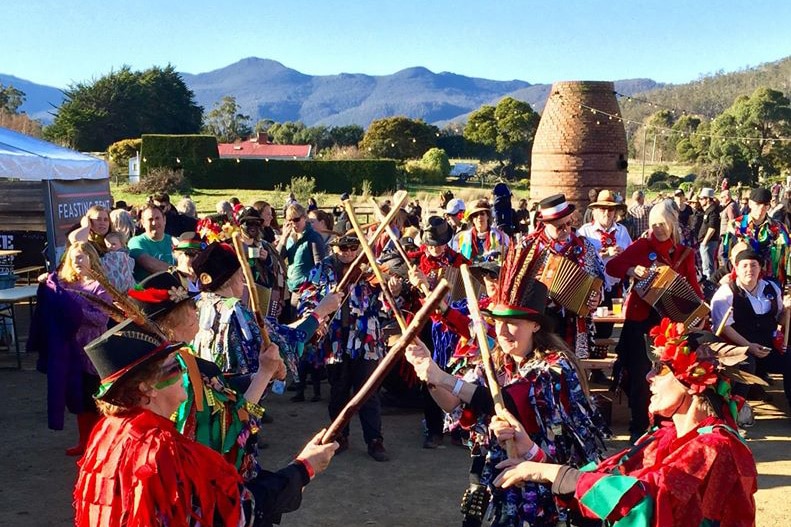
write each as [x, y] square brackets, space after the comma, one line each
[531, 304]
[554, 208]
[121, 351]
[437, 232]
[481, 205]
[215, 265]
[605, 200]
[488, 267]
[160, 293]
[189, 241]
[344, 241]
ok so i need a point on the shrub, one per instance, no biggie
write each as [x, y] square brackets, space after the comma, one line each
[122, 151]
[657, 176]
[162, 180]
[303, 188]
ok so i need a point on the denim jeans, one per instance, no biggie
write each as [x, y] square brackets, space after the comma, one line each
[708, 256]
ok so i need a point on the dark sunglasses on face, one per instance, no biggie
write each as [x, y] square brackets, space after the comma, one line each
[660, 368]
[348, 248]
[191, 254]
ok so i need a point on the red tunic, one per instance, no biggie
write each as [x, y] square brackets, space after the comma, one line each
[139, 471]
[707, 477]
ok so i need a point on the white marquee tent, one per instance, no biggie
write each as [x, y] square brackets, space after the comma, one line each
[29, 159]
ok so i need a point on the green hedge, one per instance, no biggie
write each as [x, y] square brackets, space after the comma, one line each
[334, 177]
[190, 152]
[198, 156]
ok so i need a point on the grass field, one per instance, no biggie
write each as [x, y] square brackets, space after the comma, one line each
[428, 195]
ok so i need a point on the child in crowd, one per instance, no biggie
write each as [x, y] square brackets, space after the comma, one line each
[117, 263]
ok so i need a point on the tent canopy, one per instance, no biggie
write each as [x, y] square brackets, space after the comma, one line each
[30, 159]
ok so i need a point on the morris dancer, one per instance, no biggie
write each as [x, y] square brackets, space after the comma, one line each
[354, 343]
[767, 237]
[541, 386]
[139, 471]
[696, 449]
[434, 258]
[482, 239]
[554, 235]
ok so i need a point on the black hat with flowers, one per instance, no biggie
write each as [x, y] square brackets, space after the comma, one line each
[123, 350]
[160, 293]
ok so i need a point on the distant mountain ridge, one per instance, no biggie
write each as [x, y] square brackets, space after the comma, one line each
[266, 88]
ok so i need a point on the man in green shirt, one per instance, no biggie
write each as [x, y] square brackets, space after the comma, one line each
[152, 250]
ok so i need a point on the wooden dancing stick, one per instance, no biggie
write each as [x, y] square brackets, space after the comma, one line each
[347, 204]
[721, 327]
[398, 199]
[397, 243]
[486, 354]
[387, 363]
[248, 278]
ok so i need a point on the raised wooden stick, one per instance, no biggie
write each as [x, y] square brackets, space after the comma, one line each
[387, 363]
[374, 265]
[721, 327]
[397, 243]
[398, 199]
[253, 294]
[486, 354]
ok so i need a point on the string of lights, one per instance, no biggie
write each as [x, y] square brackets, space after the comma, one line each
[670, 131]
[652, 104]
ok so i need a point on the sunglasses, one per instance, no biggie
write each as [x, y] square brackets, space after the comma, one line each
[348, 248]
[295, 220]
[660, 368]
[191, 254]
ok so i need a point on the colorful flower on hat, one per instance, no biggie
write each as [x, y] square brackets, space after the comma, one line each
[671, 343]
[211, 231]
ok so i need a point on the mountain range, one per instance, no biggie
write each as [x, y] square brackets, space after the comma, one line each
[266, 89]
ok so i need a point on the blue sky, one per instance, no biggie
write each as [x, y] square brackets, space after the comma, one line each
[57, 42]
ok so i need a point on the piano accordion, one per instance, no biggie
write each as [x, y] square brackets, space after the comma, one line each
[568, 283]
[671, 295]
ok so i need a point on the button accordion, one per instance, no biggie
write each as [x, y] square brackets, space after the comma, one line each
[568, 283]
[671, 295]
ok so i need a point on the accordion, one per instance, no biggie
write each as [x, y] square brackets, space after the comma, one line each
[671, 295]
[568, 283]
[456, 289]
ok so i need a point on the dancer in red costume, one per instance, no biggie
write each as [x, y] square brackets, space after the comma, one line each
[692, 470]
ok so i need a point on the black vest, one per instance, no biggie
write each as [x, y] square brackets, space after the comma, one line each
[755, 328]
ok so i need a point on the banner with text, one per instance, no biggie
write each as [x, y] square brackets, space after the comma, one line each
[67, 202]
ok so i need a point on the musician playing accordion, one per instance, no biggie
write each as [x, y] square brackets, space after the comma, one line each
[554, 236]
[661, 247]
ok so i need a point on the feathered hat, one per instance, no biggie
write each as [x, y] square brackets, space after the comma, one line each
[519, 294]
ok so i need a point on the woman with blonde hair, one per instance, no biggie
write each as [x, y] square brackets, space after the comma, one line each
[123, 222]
[660, 247]
[64, 322]
[94, 225]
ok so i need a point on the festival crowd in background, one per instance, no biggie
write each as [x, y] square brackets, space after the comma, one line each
[162, 332]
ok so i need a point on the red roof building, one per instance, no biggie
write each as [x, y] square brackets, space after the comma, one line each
[261, 148]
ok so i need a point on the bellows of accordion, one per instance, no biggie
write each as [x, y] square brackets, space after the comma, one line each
[568, 283]
[671, 295]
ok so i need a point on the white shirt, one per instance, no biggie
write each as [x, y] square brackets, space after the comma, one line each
[723, 299]
[592, 231]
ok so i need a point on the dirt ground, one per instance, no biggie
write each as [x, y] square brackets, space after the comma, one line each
[417, 487]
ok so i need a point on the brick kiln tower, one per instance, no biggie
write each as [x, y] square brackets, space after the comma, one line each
[576, 149]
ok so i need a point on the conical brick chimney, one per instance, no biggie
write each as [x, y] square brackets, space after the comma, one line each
[578, 146]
